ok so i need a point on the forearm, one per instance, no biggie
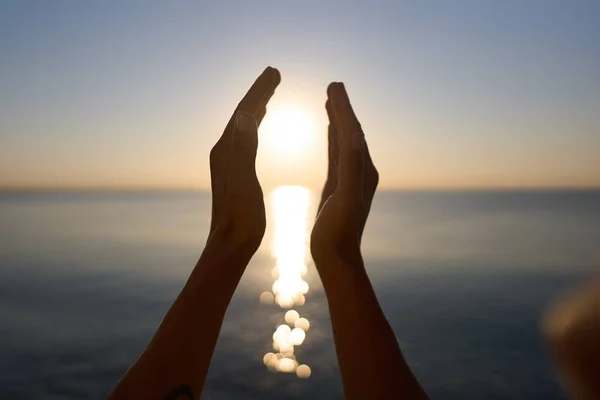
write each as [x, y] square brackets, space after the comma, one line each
[370, 360]
[180, 352]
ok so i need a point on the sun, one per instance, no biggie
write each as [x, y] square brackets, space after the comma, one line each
[287, 131]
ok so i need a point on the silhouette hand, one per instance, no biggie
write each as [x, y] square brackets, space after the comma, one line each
[351, 182]
[238, 210]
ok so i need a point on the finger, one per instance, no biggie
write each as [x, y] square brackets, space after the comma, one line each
[260, 115]
[260, 92]
[269, 94]
[332, 139]
[242, 173]
[351, 169]
[333, 122]
[332, 169]
[253, 102]
[276, 81]
[346, 121]
[348, 124]
[370, 182]
[333, 158]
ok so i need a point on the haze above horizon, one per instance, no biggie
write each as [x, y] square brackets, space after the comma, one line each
[461, 95]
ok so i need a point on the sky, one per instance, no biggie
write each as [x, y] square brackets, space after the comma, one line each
[451, 94]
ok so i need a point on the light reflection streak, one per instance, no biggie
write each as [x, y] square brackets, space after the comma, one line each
[290, 205]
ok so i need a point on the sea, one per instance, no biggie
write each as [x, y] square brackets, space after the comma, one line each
[463, 277]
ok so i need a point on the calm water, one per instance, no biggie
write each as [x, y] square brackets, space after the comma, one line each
[86, 278]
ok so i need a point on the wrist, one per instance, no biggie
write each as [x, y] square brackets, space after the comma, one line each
[222, 263]
[229, 247]
[338, 263]
[347, 252]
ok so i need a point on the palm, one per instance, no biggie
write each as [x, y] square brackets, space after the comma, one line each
[338, 222]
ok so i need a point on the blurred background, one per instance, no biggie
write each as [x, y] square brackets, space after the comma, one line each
[483, 119]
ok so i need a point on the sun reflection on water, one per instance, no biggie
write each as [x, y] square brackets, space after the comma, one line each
[290, 207]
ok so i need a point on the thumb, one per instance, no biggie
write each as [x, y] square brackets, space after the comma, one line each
[351, 167]
[242, 171]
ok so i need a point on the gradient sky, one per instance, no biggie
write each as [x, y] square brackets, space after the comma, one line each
[450, 93]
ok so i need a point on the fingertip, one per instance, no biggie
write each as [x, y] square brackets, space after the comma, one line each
[271, 77]
[330, 89]
[277, 76]
[334, 87]
[351, 169]
[274, 74]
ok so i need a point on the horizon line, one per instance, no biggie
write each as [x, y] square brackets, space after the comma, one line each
[189, 189]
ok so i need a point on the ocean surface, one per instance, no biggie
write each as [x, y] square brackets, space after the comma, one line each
[85, 279]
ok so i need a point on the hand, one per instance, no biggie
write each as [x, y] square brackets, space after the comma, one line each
[238, 209]
[356, 316]
[351, 181]
[177, 359]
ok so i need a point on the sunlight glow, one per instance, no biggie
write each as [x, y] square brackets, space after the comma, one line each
[290, 213]
[287, 131]
[291, 317]
[302, 323]
[303, 371]
[290, 206]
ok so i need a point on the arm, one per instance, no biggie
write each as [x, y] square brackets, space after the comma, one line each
[177, 359]
[176, 362]
[370, 360]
